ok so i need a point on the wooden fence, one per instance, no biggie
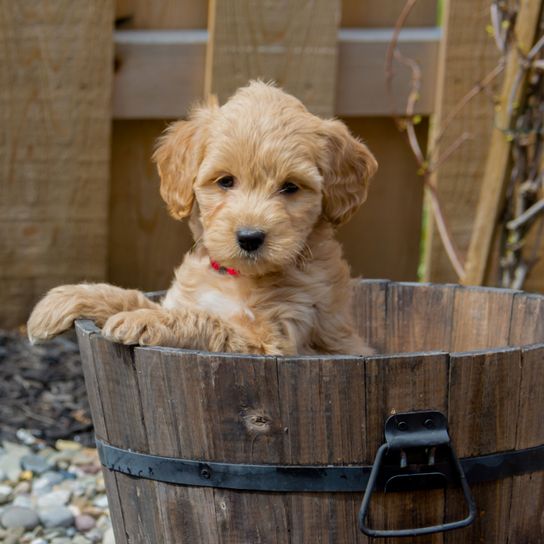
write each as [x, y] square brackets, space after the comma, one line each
[65, 73]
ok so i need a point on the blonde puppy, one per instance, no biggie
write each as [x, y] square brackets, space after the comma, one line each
[265, 184]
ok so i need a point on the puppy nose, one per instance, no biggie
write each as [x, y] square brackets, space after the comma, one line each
[250, 239]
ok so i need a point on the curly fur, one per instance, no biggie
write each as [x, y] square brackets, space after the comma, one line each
[293, 294]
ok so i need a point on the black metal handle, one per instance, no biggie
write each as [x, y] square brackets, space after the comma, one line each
[417, 431]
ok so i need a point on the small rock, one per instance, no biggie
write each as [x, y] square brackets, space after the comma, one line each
[38, 541]
[84, 523]
[94, 535]
[109, 537]
[101, 501]
[26, 437]
[26, 475]
[54, 498]
[13, 536]
[67, 445]
[61, 540]
[35, 463]
[3, 475]
[22, 488]
[80, 539]
[23, 500]
[17, 516]
[10, 460]
[46, 481]
[57, 516]
[5, 493]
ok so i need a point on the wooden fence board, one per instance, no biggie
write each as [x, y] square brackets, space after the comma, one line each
[54, 147]
[468, 53]
[292, 43]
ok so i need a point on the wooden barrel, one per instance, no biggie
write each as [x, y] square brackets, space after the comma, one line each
[474, 354]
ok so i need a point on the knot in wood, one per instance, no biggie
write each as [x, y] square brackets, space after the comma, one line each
[257, 422]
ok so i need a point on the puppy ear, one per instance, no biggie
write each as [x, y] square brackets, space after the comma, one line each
[347, 166]
[178, 155]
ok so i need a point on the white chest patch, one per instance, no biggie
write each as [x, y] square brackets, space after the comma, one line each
[218, 303]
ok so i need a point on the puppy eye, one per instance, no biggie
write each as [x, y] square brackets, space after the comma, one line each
[226, 182]
[289, 188]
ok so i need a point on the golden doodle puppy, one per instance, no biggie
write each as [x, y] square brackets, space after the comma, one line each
[265, 184]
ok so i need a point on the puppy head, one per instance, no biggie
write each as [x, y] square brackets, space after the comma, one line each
[259, 173]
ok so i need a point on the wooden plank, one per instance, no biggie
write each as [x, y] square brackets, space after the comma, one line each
[382, 239]
[369, 311]
[419, 317]
[527, 502]
[165, 14]
[495, 177]
[481, 318]
[384, 13]
[295, 46]
[145, 243]
[527, 323]
[396, 384]
[123, 417]
[54, 147]
[216, 408]
[467, 54]
[323, 410]
[193, 13]
[483, 411]
[177, 58]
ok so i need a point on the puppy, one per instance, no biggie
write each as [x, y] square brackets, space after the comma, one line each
[265, 184]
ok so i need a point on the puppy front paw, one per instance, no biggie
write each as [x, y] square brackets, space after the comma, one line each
[54, 314]
[143, 327]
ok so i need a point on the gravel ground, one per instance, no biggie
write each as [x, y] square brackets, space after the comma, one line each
[51, 485]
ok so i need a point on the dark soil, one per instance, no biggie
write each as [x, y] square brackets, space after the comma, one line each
[42, 389]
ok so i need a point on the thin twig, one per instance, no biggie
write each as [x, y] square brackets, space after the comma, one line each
[526, 216]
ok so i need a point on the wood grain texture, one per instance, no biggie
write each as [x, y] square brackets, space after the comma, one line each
[54, 147]
[384, 13]
[468, 53]
[122, 410]
[484, 394]
[527, 323]
[527, 504]
[398, 384]
[145, 243]
[382, 239]
[419, 317]
[162, 14]
[291, 43]
[481, 318]
[176, 59]
[370, 311]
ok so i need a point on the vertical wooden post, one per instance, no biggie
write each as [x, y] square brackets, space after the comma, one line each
[55, 88]
[291, 43]
[468, 53]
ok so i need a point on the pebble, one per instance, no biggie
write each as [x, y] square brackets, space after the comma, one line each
[5, 493]
[17, 516]
[35, 463]
[57, 516]
[38, 541]
[46, 481]
[80, 539]
[101, 501]
[67, 445]
[54, 498]
[109, 537]
[84, 523]
[23, 500]
[10, 460]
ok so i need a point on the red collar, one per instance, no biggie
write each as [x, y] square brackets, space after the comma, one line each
[223, 269]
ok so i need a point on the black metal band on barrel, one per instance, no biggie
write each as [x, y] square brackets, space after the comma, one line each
[296, 478]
